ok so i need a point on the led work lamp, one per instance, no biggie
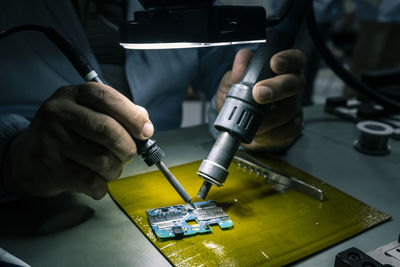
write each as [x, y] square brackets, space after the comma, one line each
[196, 23]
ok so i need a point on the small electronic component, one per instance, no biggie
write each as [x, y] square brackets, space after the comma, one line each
[183, 220]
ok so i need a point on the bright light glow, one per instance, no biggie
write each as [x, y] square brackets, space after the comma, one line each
[142, 46]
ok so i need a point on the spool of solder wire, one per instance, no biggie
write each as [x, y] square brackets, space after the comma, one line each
[374, 138]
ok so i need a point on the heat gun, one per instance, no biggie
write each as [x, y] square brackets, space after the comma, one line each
[240, 116]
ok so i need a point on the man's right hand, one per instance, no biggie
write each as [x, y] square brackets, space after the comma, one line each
[79, 140]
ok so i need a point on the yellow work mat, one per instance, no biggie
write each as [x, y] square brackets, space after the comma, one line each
[270, 228]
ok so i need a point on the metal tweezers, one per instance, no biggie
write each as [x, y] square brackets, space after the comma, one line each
[286, 181]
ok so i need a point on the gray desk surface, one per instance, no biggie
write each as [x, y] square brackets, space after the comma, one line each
[109, 238]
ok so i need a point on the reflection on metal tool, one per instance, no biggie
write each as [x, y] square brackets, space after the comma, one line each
[388, 254]
[287, 181]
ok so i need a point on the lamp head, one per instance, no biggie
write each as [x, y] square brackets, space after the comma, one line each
[195, 23]
[168, 4]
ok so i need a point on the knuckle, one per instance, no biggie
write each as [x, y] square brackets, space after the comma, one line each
[130, 153]
[105, 127]
[96, 92]
[103, 162]
[50, 109]
[102, 95]
[50, 106]
[65, 91]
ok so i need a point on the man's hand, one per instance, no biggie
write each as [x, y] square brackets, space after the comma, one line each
[282, 125]
[79, 139]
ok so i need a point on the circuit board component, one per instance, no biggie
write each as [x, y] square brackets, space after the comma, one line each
[182, 220]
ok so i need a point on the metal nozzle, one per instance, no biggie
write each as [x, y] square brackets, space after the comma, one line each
[205, 188]
[214, 169]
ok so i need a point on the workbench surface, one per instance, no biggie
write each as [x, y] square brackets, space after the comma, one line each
[109, 238]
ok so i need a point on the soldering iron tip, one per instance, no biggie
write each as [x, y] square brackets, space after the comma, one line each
[192, 205]
[205, 188]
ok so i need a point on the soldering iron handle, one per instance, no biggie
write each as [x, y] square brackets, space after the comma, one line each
[75, 56]
[149, 150]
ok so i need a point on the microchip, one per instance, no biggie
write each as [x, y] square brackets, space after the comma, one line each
[173, 216]
[178, 231]
[177, 221]
[209, 213]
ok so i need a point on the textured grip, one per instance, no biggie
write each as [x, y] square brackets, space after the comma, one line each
[240, 114]
[150, 151]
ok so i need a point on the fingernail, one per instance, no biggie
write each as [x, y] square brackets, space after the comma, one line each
[282, 64]
[264, 93]
[148, 130]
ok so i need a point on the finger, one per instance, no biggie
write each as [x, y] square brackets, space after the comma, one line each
[240, 63]
[281, 113]
[79, 179]
[277, 137]
[223, 89]
[278, 88]
[292, 60]
[284, 134]
[94, 126]
[233, 76]
[107, 100]
[88, 154]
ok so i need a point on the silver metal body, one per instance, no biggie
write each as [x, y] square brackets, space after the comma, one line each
[175, 183]
[286, 181]
[214, 169]
[387, 254]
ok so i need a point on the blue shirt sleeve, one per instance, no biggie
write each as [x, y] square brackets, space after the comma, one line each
[10, 126]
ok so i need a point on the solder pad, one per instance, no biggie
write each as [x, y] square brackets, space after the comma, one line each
[182, 220]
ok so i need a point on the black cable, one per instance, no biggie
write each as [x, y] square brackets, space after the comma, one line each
[275, 20]
[78, 60]
[344, 74]
[28, 27]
